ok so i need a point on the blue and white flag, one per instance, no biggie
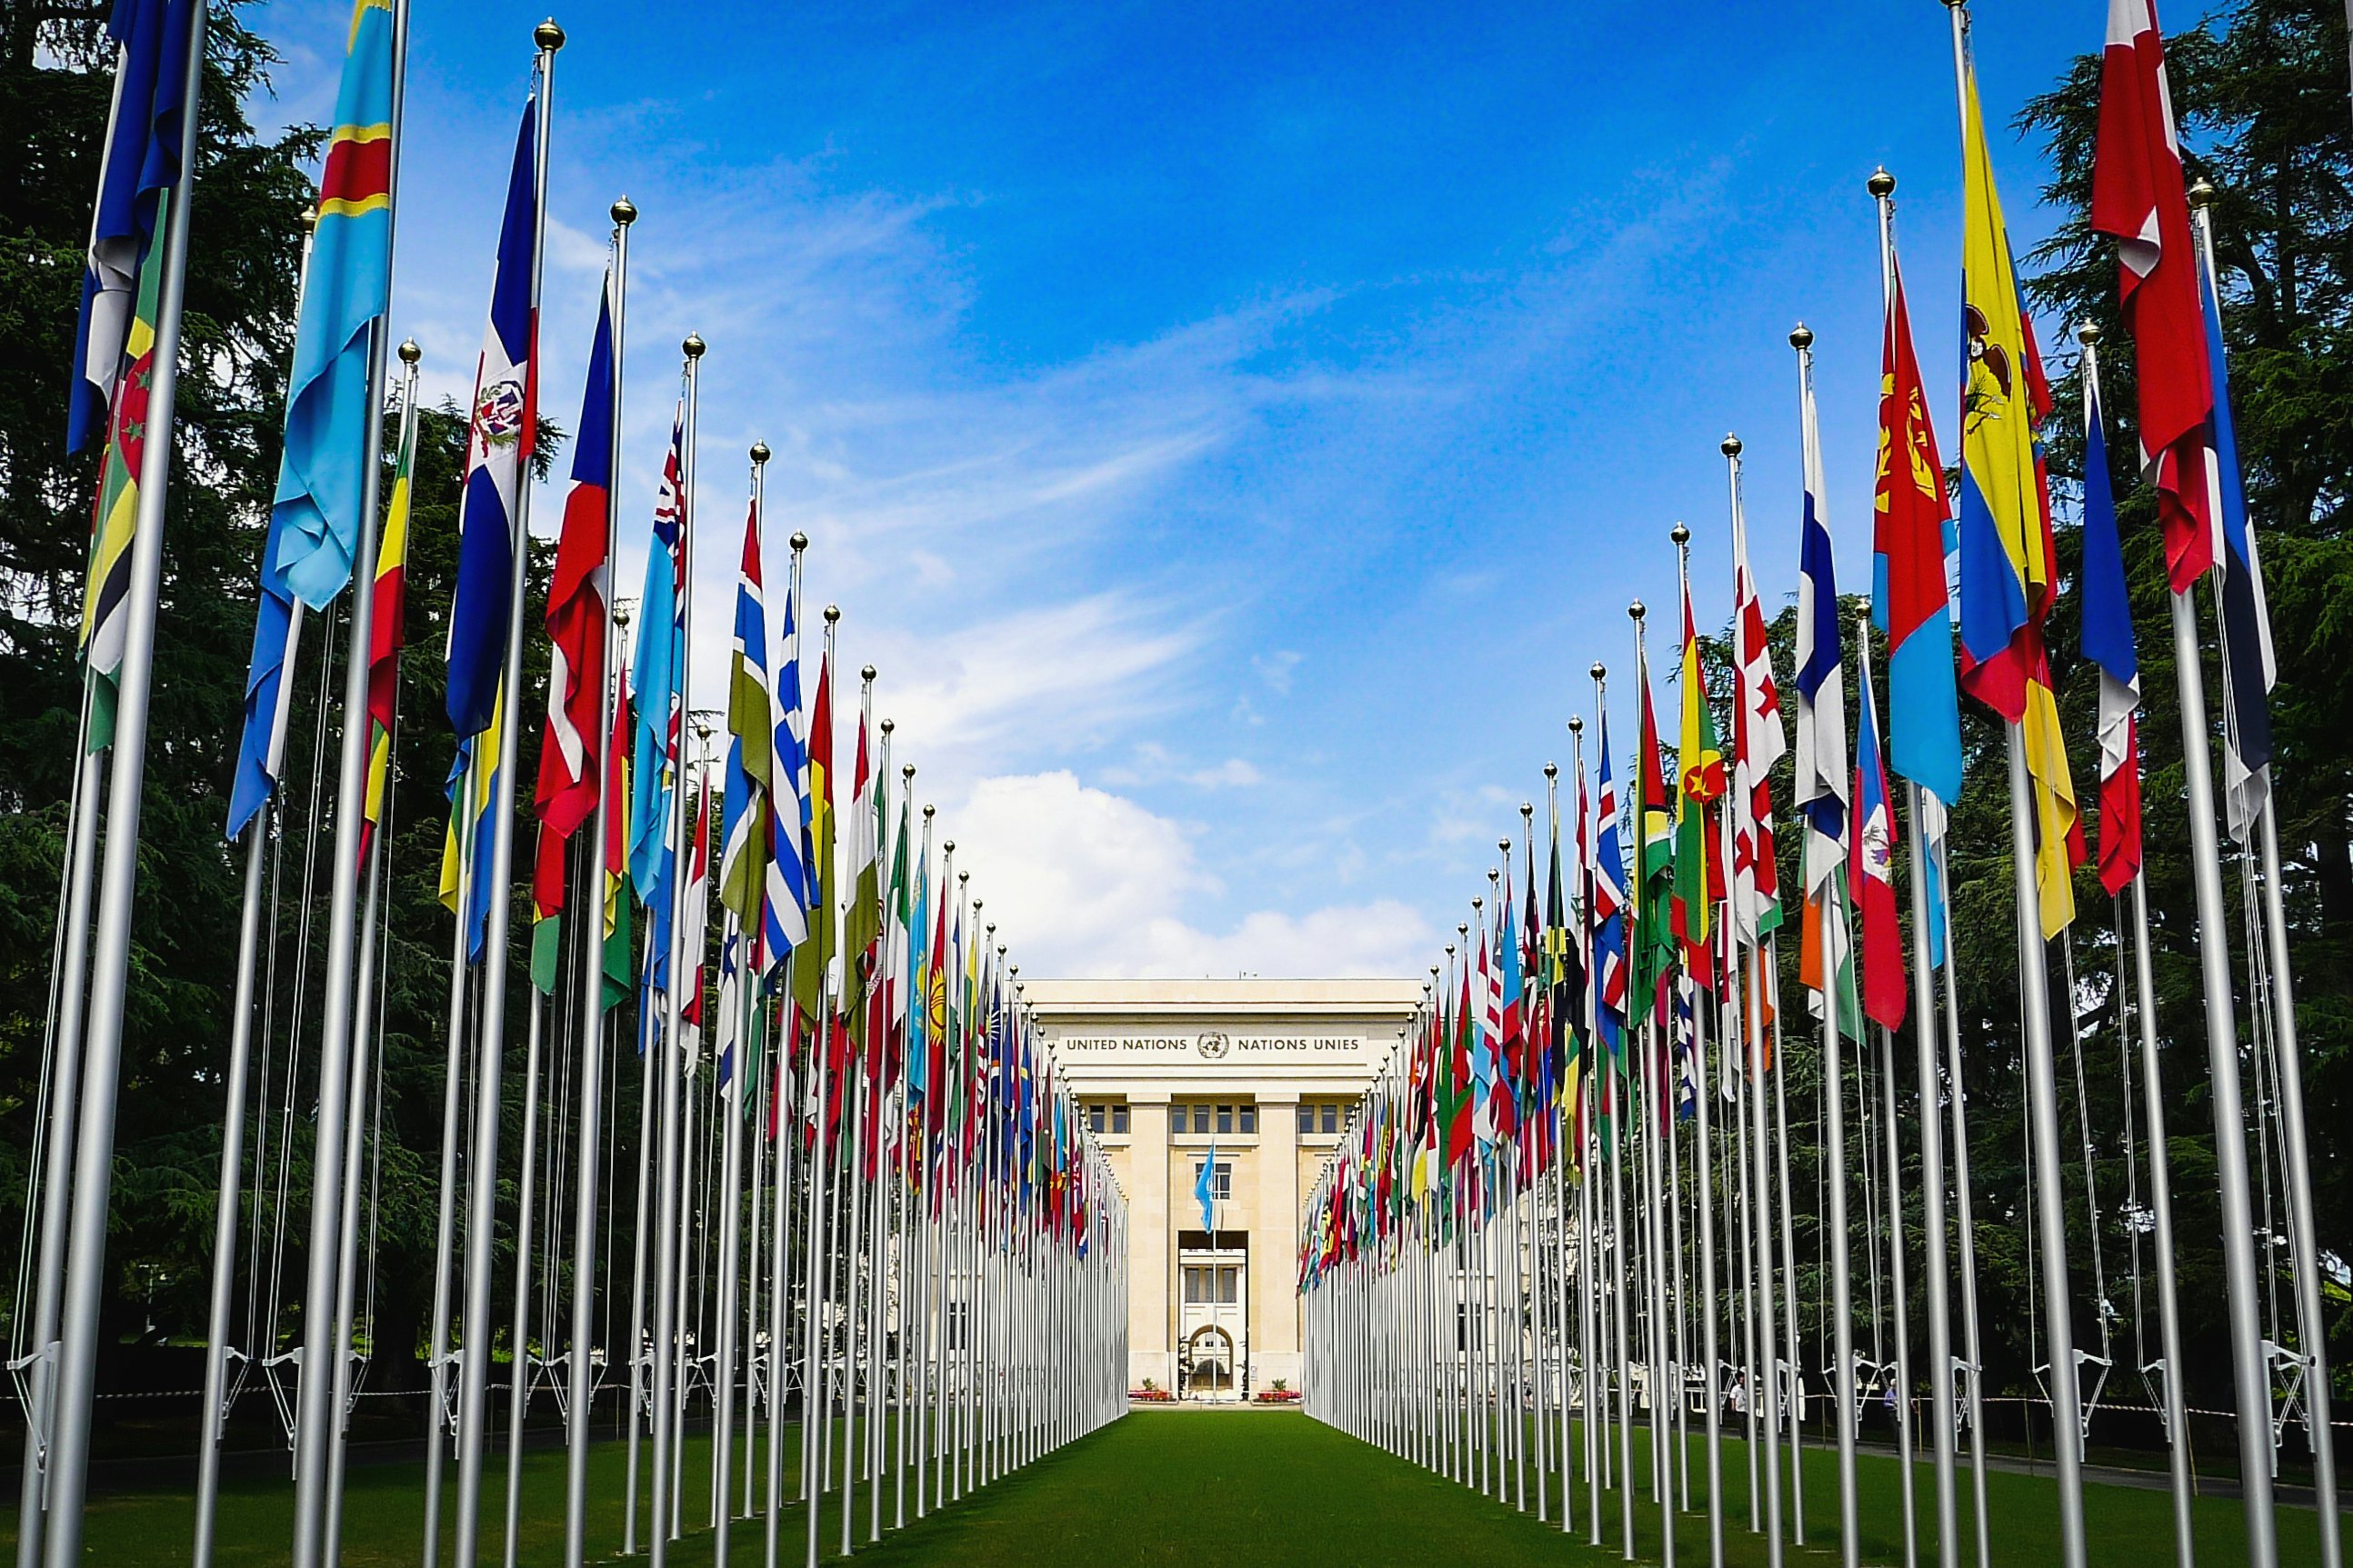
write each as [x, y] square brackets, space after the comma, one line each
[1205, 1190]
[2248, 668]
[497, 445]
[788, 883]
[656, 677]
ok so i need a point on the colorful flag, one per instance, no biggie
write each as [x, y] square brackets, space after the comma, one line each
[1758, 743]
[656, 678]
[314, 518]
[498, 441]
[1654, 936]
[2108, 644]
[2008, 573]
[861, 917]
[752, 741]
[1909, 601]
[1822, 781]
[2137, 199]
[810, 967]
[694, 920]
[115, 514]
[138, 171]
[1872, 873]
[387, 634]
[1699, 782]
[576, 602]
[788, 889]
[1609, 916]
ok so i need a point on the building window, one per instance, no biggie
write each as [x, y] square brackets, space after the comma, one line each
[1306, 1116]
[1225, 1119]
[1221, 1186]
[1094, 1118]
[1250, 1119]
[1331, 1116]
[1204, 1283]
[1119, 1116]
[1201, 1118]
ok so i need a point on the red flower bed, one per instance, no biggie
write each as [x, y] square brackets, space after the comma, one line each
[1150, 1395]
[1277, 1396]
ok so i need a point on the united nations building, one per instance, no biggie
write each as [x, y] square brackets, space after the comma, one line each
[1233, 1091]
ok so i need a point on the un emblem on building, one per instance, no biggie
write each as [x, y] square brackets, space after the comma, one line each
[1212, 1045]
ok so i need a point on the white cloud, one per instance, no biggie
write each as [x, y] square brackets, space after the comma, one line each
[1082, 881]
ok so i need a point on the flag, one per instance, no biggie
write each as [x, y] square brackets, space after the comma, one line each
[788, 890]
[862, 918]
[808, 970]
[694, 920]
[138, 169]
[498, 439]
[2009, 571]
[2138, 200]
[1872, 873]
[1205, 1191]
[1462, 1130]
[387, 634]
[1699, 781]
[751, 747]
[315, 516]
[576, 599]
[1822, 782]
[617, 849]
[2248, 669]
[1654, 937]
[1758, 743]
[314, 519]
[1909, 601]
[656, 678]
[1609, 913]
[115, 515]
[2108, 644]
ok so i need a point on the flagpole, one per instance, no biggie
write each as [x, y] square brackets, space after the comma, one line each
[668, 1243]
[1882, 187]
[2312, 1338]
[578, 1369]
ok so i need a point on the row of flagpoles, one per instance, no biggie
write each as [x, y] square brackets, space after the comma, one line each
[869, 1226]
[1537, 1211]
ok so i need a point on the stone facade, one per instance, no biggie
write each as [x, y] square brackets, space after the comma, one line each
[1263, 1072]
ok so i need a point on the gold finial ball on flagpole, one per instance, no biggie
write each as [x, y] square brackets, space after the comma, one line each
[1599, 671]
[929, 809]
[1635, 611]
[409, 353]
[625, 213]
[1506, 845]
[832, 614]
[1680, 534]
[1576, 727]
[1729, 445]
[949, 846]
[907, 770]
[867, 673]
[2089, 333]
[309, 219]
[887, 725]
[548, 36]
[694, 346]
[759, 453]
[1801, 337]
[800, 542]
[2202, 193]
[1882, 184]
[1528, 808]
[1552, 770]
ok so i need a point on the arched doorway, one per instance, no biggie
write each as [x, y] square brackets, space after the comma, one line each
[1209, 1362]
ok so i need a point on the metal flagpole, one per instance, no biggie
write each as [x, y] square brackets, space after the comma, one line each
[1899, 1295]
[519, 1333]
[649, 1056]
[669, 1073]
[76, 1375]
[1882, 187]
[439, 1355]
[578, 1369]
[481, 1195]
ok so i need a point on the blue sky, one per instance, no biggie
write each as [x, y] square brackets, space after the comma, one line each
[1232, 430]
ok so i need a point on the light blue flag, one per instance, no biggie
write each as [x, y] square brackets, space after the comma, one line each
[1205, 1188]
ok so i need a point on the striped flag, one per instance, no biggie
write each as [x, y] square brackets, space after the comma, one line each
[2137, 199]
[809, 972]
[1909, 601]
[751, 728]
[2008, 575]
[1822, 781]
[1608, 914]
[2249, 667]
[2108, 644]
[115, 518]
[1759, 744]
[658, 673]
[1699, 782]
[787, 872]
[387, 634]
[576, 601]
[498, 439]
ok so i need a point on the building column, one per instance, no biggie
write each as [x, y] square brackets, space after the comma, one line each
[1274, 1294]
[1151, 1351]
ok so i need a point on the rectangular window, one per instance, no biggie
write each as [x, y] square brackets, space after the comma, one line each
[1192, 1285]
[1221, 1186]
[1250, 1119]
[1306, 1117]
[1201, 1118]
[1096, 1118]
[1119, 1116]
[1225, 1119]
[1227, 1279]
[1331, 1116]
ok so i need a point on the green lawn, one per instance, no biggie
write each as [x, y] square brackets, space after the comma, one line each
[1191, 1490]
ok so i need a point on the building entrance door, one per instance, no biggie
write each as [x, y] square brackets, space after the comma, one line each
[1213, 1328]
